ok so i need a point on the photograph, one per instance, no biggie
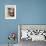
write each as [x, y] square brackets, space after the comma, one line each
[31, 33]
[10, 11]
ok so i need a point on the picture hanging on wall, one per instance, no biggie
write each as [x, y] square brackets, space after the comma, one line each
[10, 11]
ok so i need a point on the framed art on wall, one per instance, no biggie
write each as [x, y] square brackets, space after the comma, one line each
[10, 11]
[33, 32]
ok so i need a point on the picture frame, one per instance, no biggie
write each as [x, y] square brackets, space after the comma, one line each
[10, 11]
[36, 32]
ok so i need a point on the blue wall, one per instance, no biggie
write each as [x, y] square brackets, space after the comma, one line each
[28, 12]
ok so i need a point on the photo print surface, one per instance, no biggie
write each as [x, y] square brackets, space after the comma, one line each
[32, 32]
[10, 11]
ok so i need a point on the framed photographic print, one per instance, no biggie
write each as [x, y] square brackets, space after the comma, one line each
[33, 32]
[10, 11]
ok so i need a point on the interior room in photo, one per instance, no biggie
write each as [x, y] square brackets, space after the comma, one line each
[31, 32]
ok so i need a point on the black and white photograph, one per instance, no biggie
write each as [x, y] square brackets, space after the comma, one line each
[10, 11]
[27, 34]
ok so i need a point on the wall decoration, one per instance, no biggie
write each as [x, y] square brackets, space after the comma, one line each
[10, 11]
[32, 32]
[12, 38]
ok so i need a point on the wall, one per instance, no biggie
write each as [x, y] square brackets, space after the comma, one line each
[27, 12]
